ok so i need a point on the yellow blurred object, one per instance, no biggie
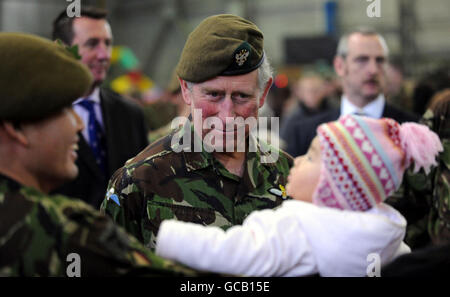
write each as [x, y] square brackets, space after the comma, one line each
[122, 84]
[115, 54]
[130, 82]
[145, 83]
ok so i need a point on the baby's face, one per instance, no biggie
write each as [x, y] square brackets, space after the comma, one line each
[304, 176]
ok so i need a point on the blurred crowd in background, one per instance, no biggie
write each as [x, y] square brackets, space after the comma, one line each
[300, 40]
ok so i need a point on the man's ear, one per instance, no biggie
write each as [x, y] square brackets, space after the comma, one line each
[339, 65]
[262, 99]
[185, 92]
[14, 133]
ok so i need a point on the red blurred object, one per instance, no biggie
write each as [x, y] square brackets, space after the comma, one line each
[135, 76]
[281, 81]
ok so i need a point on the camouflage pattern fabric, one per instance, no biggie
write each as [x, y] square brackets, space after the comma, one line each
[38, 232]
[424, 200]
[439, 218]
[160, 184]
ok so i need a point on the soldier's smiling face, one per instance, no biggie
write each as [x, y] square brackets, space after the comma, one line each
[52, 144]
[226, 98]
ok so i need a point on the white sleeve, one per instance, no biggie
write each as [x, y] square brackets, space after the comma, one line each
[342, 240]
[402, 249]
[269, 243]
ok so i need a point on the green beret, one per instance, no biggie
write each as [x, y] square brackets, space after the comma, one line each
[221, 45]
[38, 77]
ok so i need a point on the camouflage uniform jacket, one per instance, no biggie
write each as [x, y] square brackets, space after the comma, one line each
[160, 184]
[439, 198]
[38, 232]
[423, 199]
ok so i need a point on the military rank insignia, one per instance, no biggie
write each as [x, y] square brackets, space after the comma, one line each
[280, 192]
[112, 196]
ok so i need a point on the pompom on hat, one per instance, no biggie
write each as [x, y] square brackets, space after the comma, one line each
[363, 159]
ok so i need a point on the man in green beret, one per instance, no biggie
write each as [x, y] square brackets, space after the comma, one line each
[43, 235]
[207, 174]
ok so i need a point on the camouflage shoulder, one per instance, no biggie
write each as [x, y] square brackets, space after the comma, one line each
[161, 145]
[289, 159]
[160, 148]
[32, 224]
[96, 239]
[59, 207]
[130, 185]
[127, 177]
[275, 155]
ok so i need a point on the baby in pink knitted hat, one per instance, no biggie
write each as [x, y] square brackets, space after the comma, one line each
[351, 167]
[356, 162]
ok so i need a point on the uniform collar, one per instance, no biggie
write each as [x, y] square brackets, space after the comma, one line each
[252, 171]
[11, 184]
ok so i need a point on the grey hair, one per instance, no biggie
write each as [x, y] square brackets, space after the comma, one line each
[342, 49]
[265, 73]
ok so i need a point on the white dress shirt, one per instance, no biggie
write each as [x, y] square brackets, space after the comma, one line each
[84, 114]
[374, 109]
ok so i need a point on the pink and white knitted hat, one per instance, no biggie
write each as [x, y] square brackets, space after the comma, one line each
[363, 159]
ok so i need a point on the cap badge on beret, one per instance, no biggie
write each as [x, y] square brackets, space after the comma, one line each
[242, 53]
[241, 57]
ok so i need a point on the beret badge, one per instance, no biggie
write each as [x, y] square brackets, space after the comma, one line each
[241, 54]
[241, 57]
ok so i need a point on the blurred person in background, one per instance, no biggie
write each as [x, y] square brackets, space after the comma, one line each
[173, 97]
[427, 86]
[396, 92]
[308, 100]
[360, 63]
[115, 128]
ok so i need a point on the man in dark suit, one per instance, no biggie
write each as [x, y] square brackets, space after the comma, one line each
[115, 129]
[360, 63]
